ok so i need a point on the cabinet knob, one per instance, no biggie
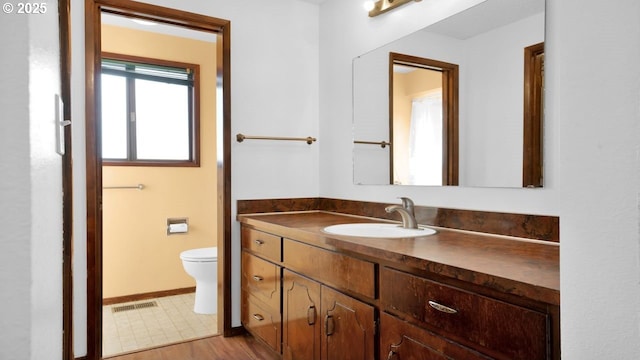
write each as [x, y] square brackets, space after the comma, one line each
[442, 308]
[392, 355]
[257, 278]
[258, 317]
[259, 242]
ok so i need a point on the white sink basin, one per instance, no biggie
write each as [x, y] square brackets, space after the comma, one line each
[377, 230]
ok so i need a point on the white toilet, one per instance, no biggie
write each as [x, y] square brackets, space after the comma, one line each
[202, 265]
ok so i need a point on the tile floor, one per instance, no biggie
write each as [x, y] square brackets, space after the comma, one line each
[172, 321]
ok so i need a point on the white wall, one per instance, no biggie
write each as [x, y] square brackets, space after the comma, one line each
[30, 188]
[15, 192]
[592, 167]
[594, 79]
[274, 82]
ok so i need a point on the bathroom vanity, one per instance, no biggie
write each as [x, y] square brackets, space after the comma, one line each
[455, 294]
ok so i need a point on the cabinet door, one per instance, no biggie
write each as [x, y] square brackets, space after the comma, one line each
[349, 327]
[402, 341]
[300, 315]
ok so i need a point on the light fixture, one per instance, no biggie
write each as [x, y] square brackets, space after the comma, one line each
[382, 6]
[369, 5]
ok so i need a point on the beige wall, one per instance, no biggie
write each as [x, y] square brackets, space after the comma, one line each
[139, 257]
[406, 87]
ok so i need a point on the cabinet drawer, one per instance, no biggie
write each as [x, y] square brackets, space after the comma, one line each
[401, 340]
[331, 268]
[261, 321]
[263, 244]
[510, 331]
[262, 279]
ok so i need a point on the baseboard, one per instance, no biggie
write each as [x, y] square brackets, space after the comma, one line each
[145, 296]
[235, 331]
[81, 358]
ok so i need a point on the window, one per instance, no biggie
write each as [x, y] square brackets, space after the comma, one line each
[149, 112]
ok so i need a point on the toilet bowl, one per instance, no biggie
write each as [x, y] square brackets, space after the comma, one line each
[202, 265]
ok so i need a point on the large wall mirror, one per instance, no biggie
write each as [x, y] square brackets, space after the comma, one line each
[487, 130]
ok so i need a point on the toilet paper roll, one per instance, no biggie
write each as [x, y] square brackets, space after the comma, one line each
[178, 228]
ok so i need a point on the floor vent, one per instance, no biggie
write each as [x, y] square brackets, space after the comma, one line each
[141, 305]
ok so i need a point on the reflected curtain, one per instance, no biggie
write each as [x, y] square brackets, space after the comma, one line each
[425, 140]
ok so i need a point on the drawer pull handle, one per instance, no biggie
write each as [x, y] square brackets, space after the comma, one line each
[329, 325]
[392, 355]
[257, 278]
[259, 242]
[311, 315]
[258, 317]
[442, 308]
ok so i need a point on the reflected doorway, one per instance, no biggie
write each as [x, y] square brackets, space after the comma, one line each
[423, 121]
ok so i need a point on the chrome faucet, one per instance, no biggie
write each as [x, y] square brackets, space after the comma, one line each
[406, 211]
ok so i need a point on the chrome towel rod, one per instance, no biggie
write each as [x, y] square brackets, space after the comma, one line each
[139, 187]
[241, 137]
[383, 144]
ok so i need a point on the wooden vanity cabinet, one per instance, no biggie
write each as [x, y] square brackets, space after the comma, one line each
[308, 303]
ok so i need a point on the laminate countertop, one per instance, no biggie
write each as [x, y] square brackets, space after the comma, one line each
[521, 267]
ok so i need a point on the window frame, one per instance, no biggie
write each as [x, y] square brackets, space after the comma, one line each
[194, 123]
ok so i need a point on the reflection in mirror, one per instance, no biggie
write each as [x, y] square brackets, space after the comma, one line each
[424, 121]
[488, 44]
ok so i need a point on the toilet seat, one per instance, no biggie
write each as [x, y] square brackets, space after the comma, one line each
[200, 255]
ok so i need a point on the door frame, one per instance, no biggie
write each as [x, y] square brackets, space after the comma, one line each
[64, 23]
[221, 27]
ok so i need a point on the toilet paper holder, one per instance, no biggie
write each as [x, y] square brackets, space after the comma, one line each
[177, 226]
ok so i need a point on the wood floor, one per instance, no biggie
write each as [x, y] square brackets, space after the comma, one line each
[241, 347]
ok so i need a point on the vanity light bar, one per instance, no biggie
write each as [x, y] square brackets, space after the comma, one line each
[382, 6]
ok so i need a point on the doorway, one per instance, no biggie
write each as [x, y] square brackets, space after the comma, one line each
[218, 28]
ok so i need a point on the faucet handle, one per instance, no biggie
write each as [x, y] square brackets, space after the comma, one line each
[406, 202]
